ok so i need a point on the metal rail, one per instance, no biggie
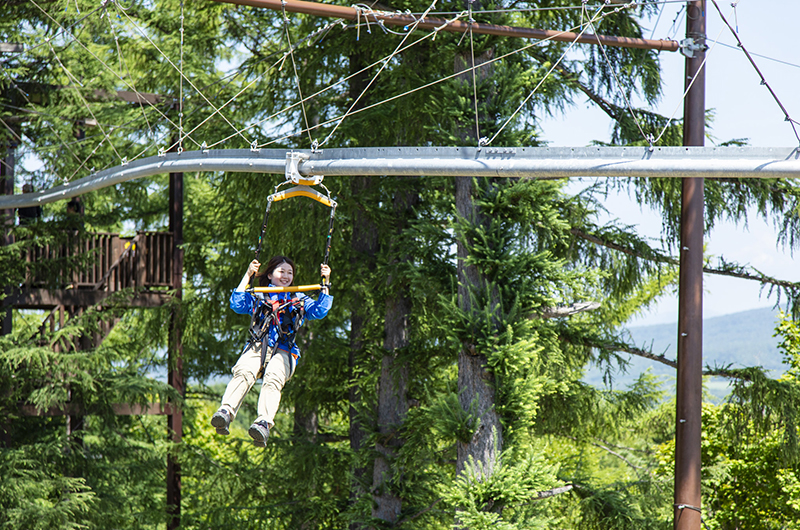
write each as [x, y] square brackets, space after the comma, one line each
[530, 162]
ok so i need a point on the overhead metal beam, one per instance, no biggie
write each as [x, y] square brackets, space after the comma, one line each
[530, 162]
[403, 20]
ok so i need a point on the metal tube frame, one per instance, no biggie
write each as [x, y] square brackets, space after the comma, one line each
[518, 162]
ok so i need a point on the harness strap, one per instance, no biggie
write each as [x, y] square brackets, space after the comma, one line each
[286, 315]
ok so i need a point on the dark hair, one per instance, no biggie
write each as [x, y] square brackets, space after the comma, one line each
[272, 264]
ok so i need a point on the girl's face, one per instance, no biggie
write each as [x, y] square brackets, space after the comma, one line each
[282, 275]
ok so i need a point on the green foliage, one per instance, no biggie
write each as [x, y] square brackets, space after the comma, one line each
[749, 448]
[513, 496]
[37, 497]
[536, 247]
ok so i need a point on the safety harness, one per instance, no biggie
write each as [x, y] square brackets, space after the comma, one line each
[287, 316]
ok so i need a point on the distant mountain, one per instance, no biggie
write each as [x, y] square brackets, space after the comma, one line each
[739, 339]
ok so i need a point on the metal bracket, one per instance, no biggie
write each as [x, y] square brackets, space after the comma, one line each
[293, 161]
[689, 46]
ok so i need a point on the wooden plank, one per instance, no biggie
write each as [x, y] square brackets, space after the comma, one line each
[45, 299]
[120, 409]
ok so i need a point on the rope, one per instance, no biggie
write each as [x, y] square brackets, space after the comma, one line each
[124, 64]
[547, 75]
[49, 125]
[474, 82]
[74, 80]
[180, 92]
[427, 85]
[562, 8]
[646, 137]
[658, 19]
[183, 77]
[87, 159]
[343, 80]
[106, 65]
[68, 29]
[385, 63]
[752, 62]
[294, 66]
[320, 32]
[688, 87]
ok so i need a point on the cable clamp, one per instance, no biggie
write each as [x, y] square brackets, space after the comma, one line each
[689, 506]
[293, 161]
[689, 46]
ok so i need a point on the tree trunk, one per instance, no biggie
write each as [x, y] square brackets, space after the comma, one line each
[393, 384]
[475, 381]
[365, 246]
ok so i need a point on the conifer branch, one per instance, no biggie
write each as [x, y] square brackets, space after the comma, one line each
[567, 311]
[626, 348]
[555, 491]
[610, 451]
[743, 375]
[422, 512]
[658, 258]
[614, 453]
[727, 269]
[728, 373]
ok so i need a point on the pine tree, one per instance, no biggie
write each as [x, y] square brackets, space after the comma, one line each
[429, 274]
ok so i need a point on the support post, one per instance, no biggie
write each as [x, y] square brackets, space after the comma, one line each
[689, 399]
[6, 223]
[175, 374]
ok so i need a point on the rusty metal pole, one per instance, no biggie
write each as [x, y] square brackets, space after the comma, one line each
[367, 16]
[690, 291]
[175, 374]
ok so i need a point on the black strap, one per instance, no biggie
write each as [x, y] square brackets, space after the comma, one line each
[266, 313]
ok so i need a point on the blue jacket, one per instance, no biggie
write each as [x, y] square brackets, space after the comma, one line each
[245, 303]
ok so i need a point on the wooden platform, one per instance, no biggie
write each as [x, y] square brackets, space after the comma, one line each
[95, 266]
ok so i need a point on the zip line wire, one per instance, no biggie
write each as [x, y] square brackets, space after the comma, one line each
[183, 77]
[385, 63]
[474, 82]
[341, 81]
[73, 80]
[422, 87]
[67, 30]
[752, 62]
[124, 63]
[294, 67]
[585, 26]
[106, 66]
[646, 137]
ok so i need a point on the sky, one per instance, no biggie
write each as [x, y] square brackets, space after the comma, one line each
[744, 108]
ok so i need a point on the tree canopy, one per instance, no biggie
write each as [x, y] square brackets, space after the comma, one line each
[446, 385]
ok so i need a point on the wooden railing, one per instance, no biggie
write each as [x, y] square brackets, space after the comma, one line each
[106, 262]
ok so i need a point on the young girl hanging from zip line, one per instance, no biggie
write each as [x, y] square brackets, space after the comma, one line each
[271, 348]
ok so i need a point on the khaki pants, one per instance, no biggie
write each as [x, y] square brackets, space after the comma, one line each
[280, 368]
